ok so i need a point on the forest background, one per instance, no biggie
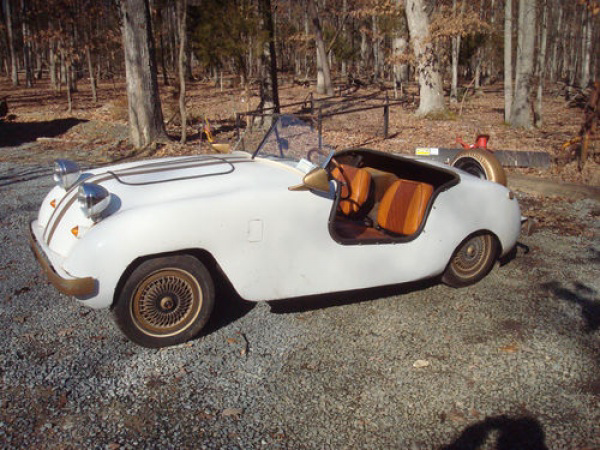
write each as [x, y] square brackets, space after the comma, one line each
[521, 71]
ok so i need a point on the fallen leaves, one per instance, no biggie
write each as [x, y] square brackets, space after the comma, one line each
[232, 412]
[245, 343]
[511, 348]
[420, 363]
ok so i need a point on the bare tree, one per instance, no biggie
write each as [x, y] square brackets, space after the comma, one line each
[26, 45]
[521, 108]
[146, 124]
[431, 94]
[400, 47]
[541, 64]
[455, 52]
[181, 7]
[11, 42]
[586, 49]
[270, 55]
[558, 30]
[324, 85]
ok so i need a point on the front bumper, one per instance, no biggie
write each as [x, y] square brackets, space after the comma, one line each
[78, 287]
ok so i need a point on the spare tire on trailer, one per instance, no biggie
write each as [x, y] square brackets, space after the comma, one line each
[481, 163]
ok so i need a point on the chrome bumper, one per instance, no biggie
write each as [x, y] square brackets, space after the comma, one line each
[78, 287]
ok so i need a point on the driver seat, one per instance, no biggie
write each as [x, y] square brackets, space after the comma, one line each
[356, 197]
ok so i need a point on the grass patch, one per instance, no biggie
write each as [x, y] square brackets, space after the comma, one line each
[444, 115]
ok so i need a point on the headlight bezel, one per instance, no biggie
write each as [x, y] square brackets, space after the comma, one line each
[93, 200]
[65, 173]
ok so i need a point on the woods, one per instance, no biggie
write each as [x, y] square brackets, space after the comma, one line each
[447, 47]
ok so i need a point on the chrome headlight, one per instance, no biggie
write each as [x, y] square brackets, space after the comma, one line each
[93, 200]
[66, 173]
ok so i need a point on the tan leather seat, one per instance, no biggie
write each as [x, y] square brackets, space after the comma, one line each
[355, 195]
[403, 206]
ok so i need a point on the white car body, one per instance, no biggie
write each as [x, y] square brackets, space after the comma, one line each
[269, 241]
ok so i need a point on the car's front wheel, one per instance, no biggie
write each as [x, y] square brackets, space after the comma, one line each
[472, 260]
[165, 301]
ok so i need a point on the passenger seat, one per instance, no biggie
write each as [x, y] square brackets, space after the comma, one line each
[403, 207]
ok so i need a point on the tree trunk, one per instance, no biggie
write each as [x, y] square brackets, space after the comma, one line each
[163, 50]
[400, 69]
[541, 65]
[271, 54]
[478, 62]
[586, 50]
[14, 74]
[26, 46]
[566, 43]
[146, 124]
[52, 64]
[363, 52]
[88, 54]
[269, 94]
[324, 85]
[521, 108]
[431, 94]
[376, 54]
[557, 36]
[455, 52]
[400, 46]
[573, 59]
[344, 14]
[181, 6]
[38, 63]
[306, 36]
[66, 64]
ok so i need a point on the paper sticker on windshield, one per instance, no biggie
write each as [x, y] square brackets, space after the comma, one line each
[421, 151]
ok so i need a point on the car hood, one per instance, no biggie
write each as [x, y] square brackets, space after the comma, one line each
[155, 182]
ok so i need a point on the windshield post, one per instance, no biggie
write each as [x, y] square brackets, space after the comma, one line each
[328, 159]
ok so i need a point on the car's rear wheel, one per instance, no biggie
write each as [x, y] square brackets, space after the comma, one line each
[165, 301]
[472, 260]
[481, 163]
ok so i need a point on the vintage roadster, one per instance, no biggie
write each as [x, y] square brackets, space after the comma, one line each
[288, 220]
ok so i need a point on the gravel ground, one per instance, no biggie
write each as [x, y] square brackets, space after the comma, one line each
[512, 362]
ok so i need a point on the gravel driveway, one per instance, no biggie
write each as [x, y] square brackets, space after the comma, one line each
[512, 362]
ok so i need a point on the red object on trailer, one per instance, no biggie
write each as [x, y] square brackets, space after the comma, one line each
[480, 142]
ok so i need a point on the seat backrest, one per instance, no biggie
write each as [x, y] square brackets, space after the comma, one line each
[354, 195]
[403, 206]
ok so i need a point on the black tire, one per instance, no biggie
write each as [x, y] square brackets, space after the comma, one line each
[165, 301]
[471, 261]
[481, 163]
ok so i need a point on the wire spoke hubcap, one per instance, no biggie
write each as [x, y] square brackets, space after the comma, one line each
[166, 302]
[472, 257]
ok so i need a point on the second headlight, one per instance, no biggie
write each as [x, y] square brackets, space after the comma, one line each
[93, 200]
[66, 173]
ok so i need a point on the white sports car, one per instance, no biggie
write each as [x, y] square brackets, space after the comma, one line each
[286, 221]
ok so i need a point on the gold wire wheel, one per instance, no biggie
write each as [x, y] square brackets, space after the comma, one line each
[166, 302]
[472, 256]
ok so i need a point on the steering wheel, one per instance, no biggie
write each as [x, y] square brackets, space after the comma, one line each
[344, 182]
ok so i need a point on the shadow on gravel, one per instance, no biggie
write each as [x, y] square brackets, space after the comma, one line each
[323, 301]
[13, 134]
[584, 296]
[229, 306]
[513, 434]
[27, 174]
